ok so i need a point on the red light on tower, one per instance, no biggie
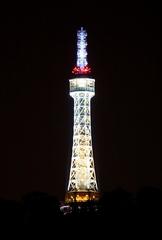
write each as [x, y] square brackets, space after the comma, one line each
[81, 70]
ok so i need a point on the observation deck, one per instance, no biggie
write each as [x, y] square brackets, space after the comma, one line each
[82, 85]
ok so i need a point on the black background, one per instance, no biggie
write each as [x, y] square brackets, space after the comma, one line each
[37, 54]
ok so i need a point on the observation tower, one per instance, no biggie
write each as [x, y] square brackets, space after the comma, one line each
[82, 184]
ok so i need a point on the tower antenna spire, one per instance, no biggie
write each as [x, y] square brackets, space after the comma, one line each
[82, 63]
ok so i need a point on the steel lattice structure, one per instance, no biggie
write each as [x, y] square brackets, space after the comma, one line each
[81, 51]
[82, 185]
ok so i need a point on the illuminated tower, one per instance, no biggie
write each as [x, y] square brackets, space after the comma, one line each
[82, 185]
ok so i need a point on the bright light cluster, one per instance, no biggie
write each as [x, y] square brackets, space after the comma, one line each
[81, 52]
[81, 70]
[82, 64]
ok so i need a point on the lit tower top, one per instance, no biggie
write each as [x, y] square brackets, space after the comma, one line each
[82, 64]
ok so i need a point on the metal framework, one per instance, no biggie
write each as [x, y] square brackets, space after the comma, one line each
[82, 63]
[81, 51]
[82, 185]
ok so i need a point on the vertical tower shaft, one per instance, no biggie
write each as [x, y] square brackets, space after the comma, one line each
[82, 184]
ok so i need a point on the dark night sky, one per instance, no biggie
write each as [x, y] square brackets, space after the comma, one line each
[37, 53]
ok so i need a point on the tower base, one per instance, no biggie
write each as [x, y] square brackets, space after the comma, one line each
[81, 196]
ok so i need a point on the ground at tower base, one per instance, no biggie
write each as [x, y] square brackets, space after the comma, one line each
[81, 196]
[118, 208]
